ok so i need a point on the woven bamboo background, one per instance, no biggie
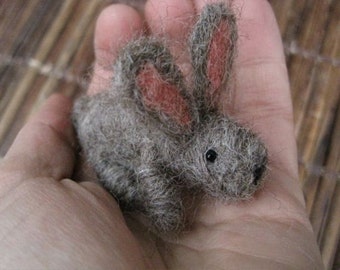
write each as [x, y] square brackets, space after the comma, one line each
[46, 46]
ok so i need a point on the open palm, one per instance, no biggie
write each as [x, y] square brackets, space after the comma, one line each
[48, 220]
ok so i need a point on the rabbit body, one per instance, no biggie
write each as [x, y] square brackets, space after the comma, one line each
[152, 139]
[132, 158]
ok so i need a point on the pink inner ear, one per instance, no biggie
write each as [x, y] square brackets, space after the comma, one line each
[162, 97]
[217, 57]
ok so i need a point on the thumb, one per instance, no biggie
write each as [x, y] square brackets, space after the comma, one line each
[44, 146]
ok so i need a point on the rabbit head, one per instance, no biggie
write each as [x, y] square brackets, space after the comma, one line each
[227, 160]
[232, 158]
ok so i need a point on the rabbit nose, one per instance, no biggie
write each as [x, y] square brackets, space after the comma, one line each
[258, 172]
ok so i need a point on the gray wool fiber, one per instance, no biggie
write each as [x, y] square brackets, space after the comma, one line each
[153, 140]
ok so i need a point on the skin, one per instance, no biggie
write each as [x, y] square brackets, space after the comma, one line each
[49, 221]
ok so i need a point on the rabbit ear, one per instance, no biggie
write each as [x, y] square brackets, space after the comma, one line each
[213, 48]
[157, 84]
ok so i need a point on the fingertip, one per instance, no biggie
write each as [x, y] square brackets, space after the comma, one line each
[56, 112]
[171, 19]
[115, 25]
[259, 33]
[60, 102]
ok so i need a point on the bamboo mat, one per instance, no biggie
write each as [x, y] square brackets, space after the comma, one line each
[46, 46]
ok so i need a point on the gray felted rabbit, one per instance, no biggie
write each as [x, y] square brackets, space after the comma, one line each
[153, 140]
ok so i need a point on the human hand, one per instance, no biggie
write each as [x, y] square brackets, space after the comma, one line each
[50, 221]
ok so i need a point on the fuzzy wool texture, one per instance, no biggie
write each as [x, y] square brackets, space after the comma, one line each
[155, 141]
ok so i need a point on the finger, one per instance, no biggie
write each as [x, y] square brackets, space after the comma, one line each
[45, 145]
[116, 25]
[262, 82]
[262, 96]
[172, 20]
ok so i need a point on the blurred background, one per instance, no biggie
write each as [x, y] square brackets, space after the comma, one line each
[46, 46]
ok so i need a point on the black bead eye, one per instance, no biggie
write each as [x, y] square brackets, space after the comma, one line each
[211, 155]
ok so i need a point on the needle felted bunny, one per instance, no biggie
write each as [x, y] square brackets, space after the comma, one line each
[153, 140]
